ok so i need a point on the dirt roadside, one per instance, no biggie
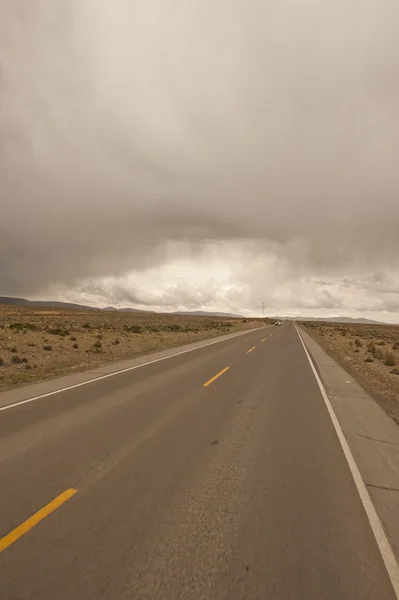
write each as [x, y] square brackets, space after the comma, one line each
[40, 344]
[370, 353]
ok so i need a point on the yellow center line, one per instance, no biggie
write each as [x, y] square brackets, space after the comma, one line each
[216, 377]
[14, 535]
[264, 339]
[250, 350]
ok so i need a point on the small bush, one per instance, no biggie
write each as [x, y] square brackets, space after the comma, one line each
[31, 345]
[13, 349]
[395, 346]
[97, 346]
[369, 359]
[28, 367]
[16, 326]
[73, 338]
[22, 326]
[379, 354]
[371, 347]
[116, 342]
[381, 343]
[47, 347]
[173, 327]
[153, 328]
[133, 328]
[358, 343]
[18, 360]
[61, 331]
[99, 336]
[75, 346]
[356, 350]
[86, 326]
[390, 360]
[395, 371]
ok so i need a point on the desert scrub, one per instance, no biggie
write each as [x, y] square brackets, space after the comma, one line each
[23, 326]
[61, 331]
[18, 360]
[133, 328]
[390, 360]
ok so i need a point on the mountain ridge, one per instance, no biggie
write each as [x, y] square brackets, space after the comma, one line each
[11, 301]
[14, 301]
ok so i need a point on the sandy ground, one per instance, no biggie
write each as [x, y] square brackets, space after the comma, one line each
[370, 353]
[38, 344]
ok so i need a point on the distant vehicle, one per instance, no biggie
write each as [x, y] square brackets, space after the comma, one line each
[278, 323]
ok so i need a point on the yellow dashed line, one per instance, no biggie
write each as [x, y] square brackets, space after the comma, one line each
[14, 535]
[216, 377]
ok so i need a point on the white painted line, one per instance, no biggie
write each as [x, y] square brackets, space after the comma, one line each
[382, 541]
[150, 362]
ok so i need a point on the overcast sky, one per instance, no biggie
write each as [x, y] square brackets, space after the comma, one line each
[201, 154]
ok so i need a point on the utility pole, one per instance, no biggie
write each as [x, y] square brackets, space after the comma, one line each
[263, 310]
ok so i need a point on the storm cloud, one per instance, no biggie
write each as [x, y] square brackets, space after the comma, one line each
[238, 152]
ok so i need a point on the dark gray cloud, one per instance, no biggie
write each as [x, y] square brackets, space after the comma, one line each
[131, 133]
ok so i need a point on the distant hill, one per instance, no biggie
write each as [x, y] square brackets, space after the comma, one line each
[4, 300]
[334, 320]
[203, 313]
[136, 310]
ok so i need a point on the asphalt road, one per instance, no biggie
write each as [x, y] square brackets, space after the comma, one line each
[238, 490]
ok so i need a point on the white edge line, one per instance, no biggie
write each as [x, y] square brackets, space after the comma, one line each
[381, 538]
[150, 362]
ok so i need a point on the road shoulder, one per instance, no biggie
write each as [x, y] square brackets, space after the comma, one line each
[372, 435]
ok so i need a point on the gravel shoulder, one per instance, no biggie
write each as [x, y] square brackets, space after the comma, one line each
[370, 353]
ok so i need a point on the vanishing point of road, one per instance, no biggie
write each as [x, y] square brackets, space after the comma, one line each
[213, 474]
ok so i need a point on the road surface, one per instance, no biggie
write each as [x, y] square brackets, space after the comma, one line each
[215, 474]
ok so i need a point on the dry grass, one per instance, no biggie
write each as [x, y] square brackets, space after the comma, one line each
[369, 353]
[38, 344]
